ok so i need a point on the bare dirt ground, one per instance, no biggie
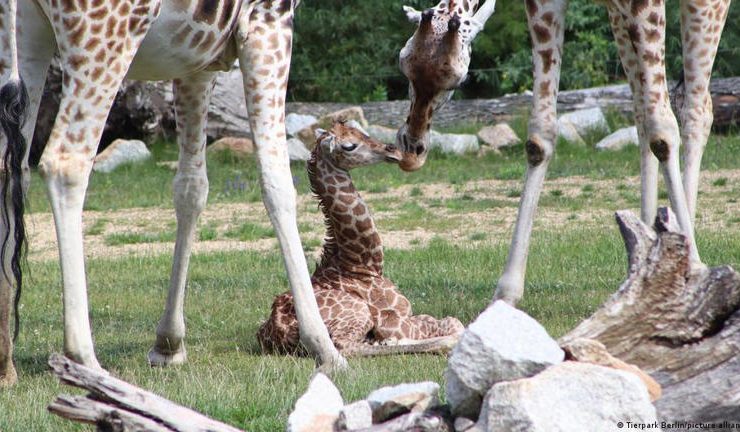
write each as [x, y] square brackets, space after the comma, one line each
[588, 203]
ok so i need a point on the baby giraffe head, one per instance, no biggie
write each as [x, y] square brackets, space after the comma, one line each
[345, 148]
[435, 60]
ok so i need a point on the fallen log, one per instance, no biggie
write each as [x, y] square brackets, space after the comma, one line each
[679, 324]
[115, 405]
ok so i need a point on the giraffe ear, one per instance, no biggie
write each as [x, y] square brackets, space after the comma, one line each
[319, 132]
[413, 15]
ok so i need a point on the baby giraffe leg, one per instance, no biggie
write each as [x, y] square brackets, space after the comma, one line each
[192, 96]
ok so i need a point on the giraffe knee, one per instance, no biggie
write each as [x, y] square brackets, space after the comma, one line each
[661, 149]
[537, 151]
[67, 167]
[190, 192]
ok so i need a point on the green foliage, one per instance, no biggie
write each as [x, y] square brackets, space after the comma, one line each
[348, 50]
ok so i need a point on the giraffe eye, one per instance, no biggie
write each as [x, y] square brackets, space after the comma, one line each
[349, 146]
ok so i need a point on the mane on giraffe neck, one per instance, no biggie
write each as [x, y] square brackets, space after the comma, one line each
[350, 245]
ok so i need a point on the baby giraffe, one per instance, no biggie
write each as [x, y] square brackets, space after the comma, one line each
[357, 303]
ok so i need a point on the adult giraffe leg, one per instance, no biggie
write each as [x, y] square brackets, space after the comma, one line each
[645, 23]
[264, 43]
[192, 96]
[34, 51]
[546, 24]
[701, 28]
[94, 61]
[648, 161]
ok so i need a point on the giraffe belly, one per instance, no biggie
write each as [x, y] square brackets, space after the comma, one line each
[175, 47]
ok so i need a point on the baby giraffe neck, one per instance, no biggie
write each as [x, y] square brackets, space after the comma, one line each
[352, 242]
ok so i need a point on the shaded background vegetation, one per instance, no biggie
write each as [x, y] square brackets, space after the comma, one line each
[347, 50]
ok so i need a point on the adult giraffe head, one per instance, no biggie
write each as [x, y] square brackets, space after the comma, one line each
[435, 60]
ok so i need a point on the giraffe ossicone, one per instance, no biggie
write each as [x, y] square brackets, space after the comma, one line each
[358, 304]
[436, 59]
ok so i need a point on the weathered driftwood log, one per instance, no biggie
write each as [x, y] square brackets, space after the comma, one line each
[115, 405]
[680, 324]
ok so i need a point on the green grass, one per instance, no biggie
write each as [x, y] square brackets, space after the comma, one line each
[248, 231]
[119, 239]
[570, 274]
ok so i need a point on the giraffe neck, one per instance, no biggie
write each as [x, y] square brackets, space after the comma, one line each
[352, 242]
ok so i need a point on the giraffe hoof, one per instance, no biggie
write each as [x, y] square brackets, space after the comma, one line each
[158, 358]
[9, 378]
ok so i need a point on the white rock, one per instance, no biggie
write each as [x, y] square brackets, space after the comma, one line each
[569, 397]
[502, 344]
[295, 122]
[619, 139]
[346, 114]
[355, 124]
[568, 132]
[357, 415]
[462, 424]
[383, 134]
[297, 151]
[239, 147]
[498, 136]
[454, 143]
[318, 409]
[121, 152]
[586, 120]
[389, 402]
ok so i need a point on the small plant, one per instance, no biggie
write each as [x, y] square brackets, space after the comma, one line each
[556, 193]
[722, 181]
[416, 192]
[97, 228]
[477, 236]
[513, 193]
[207, 233]
[587, 188]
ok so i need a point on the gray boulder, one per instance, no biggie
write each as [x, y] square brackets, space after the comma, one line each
[498, 136]
[121, 152]
[383, 134]
[569, 397]
[454, 143]
[502, 344]
[389, 402]
[297, 151]
[617, 140]
[586, 120]
[318, 409]
[295, 122]
[357, 415]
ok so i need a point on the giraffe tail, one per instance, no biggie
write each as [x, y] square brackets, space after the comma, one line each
[437, 345]
[13, 106]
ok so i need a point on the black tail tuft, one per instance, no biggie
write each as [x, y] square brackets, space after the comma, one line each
[13, 106]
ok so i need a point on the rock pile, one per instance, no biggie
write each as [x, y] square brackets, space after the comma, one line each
[505, 374]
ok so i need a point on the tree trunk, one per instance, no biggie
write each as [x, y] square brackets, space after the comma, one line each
[115, 405]
[680, 324]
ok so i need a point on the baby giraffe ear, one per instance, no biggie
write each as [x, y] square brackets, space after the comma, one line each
[319, 132]
[413, 15]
